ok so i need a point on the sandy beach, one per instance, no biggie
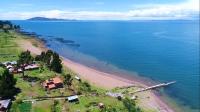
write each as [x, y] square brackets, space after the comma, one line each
[102, 79]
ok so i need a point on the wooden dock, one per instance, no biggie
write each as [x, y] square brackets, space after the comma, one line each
[154, 87]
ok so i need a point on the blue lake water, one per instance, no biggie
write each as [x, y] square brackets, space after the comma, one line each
[160, 50]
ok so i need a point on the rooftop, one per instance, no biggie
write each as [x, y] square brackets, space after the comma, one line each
[5, 103]
[70, 98]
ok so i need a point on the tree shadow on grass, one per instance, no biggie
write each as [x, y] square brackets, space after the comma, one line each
[31, 79]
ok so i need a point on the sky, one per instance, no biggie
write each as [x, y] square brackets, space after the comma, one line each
[99, 9]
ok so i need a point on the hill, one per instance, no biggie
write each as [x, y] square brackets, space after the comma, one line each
[48, 19]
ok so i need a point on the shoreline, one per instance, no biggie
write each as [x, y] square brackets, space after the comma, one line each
[99, 78]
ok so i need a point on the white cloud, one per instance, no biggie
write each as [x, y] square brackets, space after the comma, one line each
[149, 11]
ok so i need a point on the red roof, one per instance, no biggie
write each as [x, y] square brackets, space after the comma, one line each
[51, 86]
[57, 80]
[51, 83]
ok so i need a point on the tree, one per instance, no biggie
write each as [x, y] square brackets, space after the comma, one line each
[56, 63]
[24, 58]
[7, 25]
[47, 57]
[68, 80]
[41, 57]
[130, 105]
[7, 85]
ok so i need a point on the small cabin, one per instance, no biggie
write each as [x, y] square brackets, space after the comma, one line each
[116, 95]
[73, 98]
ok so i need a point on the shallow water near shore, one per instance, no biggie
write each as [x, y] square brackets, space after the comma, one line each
[160, 50]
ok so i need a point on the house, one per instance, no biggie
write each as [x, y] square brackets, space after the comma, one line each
[52, 83]
[11, 70]
[72, 98]
[9, 66]
[31, 67]
[116, 95]
[4, 104]
[10, 63]
[15, 70]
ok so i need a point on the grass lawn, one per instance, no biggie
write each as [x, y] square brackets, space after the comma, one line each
[90, 103]
[25, 107]
[8, 48]
[42, 106]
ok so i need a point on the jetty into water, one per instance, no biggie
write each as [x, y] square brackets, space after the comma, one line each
[154, 87]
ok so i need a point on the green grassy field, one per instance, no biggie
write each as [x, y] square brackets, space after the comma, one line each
[8, 48]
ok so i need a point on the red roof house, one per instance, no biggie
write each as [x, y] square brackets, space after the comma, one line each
[53, 83]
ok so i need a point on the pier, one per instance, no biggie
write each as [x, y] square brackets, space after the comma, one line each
[154, 87]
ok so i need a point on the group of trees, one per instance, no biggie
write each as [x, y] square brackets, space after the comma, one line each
[7, 85]
[25, 58]
[51, 59]
[7, 25]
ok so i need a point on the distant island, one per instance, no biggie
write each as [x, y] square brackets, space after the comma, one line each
[48, 19]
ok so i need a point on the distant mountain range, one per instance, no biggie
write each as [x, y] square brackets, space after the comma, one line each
[49, 19]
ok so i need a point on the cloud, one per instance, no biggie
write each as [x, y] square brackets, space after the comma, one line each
[186, 10]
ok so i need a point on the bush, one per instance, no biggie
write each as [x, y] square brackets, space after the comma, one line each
[131, 106]
[19, 101]
[85, 87]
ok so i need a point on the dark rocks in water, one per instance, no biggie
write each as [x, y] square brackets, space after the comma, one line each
[39, 35]
[63, 40]
[27, 33]
[32, 34]
[74, 45]
[67, 42]
[50, 36]
[43, 40]
[48, 45]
